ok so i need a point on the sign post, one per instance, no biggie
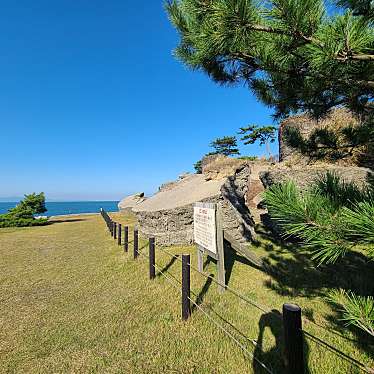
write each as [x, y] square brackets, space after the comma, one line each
[208, 236]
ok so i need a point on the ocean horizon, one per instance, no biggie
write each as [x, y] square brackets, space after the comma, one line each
[61, 208]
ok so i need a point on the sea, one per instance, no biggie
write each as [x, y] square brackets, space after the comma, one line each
[69, 207]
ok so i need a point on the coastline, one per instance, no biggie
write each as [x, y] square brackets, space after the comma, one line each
[77, 214]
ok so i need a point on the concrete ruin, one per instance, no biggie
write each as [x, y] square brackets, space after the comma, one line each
[130, 202]
[305, 177]
[236, 186]
[168, 215]
[336, 121]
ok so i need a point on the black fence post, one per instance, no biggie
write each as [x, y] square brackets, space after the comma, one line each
[152, 259]
[126, 239]
[115, 230]
[111, 228]
[293, 338]
[136, 243]
[119, 234]
[186, 287]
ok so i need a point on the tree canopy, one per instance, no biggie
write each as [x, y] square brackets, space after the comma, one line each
[293, 54]
[263, 135]
[23, 214]
[35, 202]
[226, 146]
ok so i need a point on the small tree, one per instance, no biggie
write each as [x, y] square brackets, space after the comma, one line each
[264, 135]
[198, 167]
[23, 214]
[226, 146]
[35, 202]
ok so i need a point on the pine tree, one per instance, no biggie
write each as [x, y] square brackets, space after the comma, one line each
[23, 214]
[264, 135]
[293, 54]
[331, 219]
[226, 146]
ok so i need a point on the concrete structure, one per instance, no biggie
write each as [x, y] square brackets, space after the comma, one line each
[168, 215]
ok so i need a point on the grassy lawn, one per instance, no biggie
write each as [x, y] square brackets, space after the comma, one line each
[72, 301]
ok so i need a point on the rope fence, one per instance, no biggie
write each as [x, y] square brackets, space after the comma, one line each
[177, 285]
[291, 316]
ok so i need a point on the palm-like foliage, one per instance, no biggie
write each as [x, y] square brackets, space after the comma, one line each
[330, 219]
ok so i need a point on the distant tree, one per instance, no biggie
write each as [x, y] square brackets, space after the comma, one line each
[226, 146]
[198, 167]
[35, 202]
[23, 214]
[264, 135]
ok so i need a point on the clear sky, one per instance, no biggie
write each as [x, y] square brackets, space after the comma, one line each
[94, 106]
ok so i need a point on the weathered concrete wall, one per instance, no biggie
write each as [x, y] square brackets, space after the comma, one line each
[236, 217]
[338, 118]
[174, 224]
[221, 167]
[129, 202]
[304, 177]
[171, 226]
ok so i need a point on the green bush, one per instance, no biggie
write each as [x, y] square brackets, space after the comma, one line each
[248, 158]
[23, 214]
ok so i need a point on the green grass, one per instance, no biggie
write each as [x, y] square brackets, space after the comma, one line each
[72, 301]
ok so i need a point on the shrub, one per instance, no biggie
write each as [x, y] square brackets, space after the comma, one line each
[23, 214]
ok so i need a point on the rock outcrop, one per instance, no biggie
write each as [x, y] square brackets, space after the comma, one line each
[168, 215]
[304, 177]
[337, 120]
[220, 167]
[130, 202]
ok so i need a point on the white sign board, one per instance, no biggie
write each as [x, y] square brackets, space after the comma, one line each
[205, 228]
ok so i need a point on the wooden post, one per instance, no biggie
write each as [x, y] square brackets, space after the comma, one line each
[152, 259]
[221, 253]
[186, 287]
[111, 228]
[115, 230]
[119, 234]
[136, 243]
[293, 338]
[126, 239]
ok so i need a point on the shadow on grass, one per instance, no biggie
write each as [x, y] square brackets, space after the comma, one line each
[52, 222]
[200, 297]
[293, 274]
[167, 266]
[231, 256]
[273, 356]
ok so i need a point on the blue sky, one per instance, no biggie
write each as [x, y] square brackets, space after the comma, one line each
[94, 106]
